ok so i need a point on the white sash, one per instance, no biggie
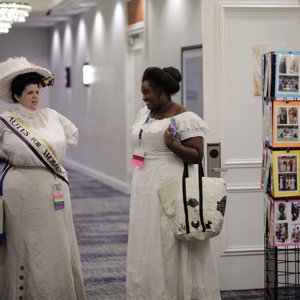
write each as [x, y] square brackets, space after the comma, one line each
[38, 145]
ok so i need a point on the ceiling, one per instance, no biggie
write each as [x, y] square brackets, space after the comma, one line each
[49, 12]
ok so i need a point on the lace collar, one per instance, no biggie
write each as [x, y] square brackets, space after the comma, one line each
[25, 112]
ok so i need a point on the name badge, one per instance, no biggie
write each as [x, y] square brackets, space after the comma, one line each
[58, 196]
[138, 157]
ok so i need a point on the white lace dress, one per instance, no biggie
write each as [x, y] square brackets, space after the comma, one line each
[40, 258]
[160, 267]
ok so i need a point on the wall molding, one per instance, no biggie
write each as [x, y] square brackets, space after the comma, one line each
[135, 35]
[259, 6]
[243, 163]
[222, 9]
[110, 181]
[243, 250]
[135, 28]
[244, 188]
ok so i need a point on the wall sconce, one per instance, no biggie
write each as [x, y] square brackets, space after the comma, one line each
[87, 74]
[68, 77]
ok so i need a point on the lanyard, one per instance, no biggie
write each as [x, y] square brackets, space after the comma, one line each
[141, 130]
[163, 109]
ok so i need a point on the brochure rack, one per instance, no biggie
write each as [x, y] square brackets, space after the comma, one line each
[282, 273]
[280, 177]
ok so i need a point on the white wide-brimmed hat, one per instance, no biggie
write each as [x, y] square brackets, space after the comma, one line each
[13, 67]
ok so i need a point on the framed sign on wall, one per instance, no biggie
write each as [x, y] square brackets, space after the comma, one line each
[192, 78]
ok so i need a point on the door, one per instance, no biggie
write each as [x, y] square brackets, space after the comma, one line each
[233, 36]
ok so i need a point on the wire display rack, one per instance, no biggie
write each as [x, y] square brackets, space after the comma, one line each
[282, 272]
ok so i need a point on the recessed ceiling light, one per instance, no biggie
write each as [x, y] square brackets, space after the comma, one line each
[87, 4]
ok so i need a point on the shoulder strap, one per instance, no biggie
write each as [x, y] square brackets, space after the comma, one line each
[200, 176]
[185, 200]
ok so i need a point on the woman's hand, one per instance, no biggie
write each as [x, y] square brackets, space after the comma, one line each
[169, 137]
[190, 150]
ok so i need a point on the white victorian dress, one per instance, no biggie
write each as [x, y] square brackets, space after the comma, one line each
[40, 257]
[159, 266]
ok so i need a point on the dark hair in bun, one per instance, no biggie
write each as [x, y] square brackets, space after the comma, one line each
[166, 78]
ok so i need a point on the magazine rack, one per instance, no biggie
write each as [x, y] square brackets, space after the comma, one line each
[280, 177]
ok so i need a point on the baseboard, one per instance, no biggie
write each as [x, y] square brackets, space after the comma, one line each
[112, 182]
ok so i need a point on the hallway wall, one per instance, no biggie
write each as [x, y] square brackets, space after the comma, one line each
[96, 37]
[99, 111]
[172, 25]
[99, 37]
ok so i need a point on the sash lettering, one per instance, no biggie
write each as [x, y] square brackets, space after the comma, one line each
[38, 147]
[36, 142]
[18, 127]
[52, 161]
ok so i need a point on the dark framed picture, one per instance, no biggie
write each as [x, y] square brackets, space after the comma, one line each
[192, 78]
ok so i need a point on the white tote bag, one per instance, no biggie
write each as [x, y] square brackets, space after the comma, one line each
[195, 206]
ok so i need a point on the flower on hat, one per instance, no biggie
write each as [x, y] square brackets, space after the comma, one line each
[48, 81]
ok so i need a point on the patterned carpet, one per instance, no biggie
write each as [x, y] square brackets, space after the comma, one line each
[101, 222]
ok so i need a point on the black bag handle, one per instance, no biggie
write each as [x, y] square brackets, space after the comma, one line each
[184, 176]
[185, 204]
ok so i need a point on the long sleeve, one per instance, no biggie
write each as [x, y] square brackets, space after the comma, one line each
[71, 131]
[46, 124]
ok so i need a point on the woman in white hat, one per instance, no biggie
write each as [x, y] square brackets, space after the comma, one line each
[39, 257]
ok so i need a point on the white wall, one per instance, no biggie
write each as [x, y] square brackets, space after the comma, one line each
[99, 111]
[32, 43]
[231, 30]
[97, 37]
[172, 24]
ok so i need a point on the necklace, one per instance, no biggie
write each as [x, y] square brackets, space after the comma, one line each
[162, 109]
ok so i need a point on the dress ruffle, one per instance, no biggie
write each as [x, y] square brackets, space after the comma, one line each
[188, 124]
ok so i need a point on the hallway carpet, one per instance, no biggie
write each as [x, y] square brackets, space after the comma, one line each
[101, 223]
